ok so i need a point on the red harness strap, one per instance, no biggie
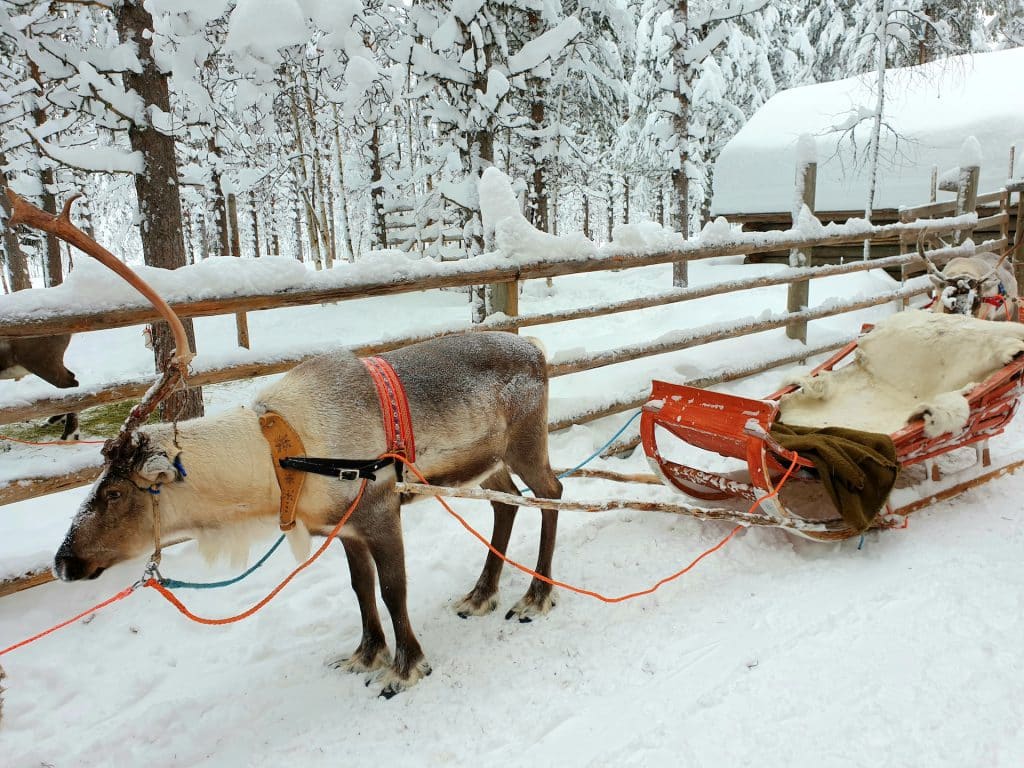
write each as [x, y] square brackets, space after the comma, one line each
[395, 406]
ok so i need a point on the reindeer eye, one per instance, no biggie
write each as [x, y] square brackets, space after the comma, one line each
[113, 495]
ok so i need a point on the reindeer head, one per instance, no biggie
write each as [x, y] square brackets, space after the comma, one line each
[116, 521]
[961, 284]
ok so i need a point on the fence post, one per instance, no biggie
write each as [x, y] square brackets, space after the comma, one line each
[1018, 230]
[505, 299]
[967, 198]
[799, 291]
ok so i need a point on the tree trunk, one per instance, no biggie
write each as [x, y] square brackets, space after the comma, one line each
[236, 240]
[380, 224]
[52, 274]
[14, 258]
[681, 125]
[255, 219]
[538, 209]
[346, 227]
[302, 186]
[625, 198]
[157, 189]
[876, 128]
[586, 215]
[220, 207]
[611, 207]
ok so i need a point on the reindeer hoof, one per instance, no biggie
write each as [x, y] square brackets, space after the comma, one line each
[360, 662]
[394, 682]
[529, 606]
[474, 605]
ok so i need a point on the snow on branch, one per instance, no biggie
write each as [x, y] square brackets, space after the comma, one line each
[546, 47]
[731, 10]
[92, 158]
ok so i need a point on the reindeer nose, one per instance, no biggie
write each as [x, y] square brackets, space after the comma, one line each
[68, 567]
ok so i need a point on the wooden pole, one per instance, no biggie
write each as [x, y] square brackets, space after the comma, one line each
[967, 198]
[799, 291]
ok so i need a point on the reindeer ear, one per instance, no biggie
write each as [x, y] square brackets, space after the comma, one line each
[157, 468]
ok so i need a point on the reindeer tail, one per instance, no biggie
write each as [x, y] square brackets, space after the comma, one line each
[538, 344]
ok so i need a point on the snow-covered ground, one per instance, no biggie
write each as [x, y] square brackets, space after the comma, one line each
[774, 651]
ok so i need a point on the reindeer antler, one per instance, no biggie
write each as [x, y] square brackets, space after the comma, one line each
[933, 270]
[23, 212]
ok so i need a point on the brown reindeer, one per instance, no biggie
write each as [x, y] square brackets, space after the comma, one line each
[44, 357]
[478, 404]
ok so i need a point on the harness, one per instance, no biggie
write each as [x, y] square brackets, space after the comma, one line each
[291, 463]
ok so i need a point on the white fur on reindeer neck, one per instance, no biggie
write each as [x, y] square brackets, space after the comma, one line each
[913, 363]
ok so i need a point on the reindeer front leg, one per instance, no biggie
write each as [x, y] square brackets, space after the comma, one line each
[409, 665]
[372, 651]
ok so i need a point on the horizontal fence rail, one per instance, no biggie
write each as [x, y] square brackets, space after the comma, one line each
[462, 274]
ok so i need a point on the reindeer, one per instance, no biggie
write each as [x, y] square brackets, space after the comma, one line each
[978, 286]
[478, 404]
[478, 407]
[44, 357]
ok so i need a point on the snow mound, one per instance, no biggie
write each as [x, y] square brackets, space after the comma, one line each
[645, 235]
[514, 236]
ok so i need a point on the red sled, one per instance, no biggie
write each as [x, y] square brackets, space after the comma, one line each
[739, 428]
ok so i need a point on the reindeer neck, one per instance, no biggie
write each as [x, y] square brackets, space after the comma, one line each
[229, 473]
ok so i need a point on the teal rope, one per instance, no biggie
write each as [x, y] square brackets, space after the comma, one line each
[600, 450]
[175, 584]
[595, 454]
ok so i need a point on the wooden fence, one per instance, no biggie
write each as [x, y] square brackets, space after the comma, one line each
[508, 275]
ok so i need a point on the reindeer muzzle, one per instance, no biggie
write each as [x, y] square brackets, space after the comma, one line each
[70, 567]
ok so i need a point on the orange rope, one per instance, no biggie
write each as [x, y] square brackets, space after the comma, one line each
[580, 590]
[119, 596]
[53, 442]
[166, 593]
[274, 592]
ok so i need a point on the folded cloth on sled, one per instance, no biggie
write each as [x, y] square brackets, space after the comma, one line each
[858, 469]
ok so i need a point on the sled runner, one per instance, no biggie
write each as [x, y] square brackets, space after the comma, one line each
[968, 392]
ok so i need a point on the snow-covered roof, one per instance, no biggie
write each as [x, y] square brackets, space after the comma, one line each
[932, 108]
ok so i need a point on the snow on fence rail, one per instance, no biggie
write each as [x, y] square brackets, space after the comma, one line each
[19, 322]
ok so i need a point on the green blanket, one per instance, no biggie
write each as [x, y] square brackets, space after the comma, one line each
[858, 469]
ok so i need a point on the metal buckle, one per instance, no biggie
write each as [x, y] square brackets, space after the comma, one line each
[348, 474]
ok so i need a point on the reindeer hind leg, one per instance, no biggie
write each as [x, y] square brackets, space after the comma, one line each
[530, 461]
[483, 598]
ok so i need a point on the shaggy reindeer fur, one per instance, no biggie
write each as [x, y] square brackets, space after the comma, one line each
[478, 404]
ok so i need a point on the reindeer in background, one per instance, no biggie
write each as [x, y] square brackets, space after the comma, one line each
[44, 357]
[981, 286]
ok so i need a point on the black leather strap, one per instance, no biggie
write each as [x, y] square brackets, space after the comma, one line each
[343, 469]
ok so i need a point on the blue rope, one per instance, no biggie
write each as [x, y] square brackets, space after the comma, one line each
[595, 454]
[600, 450]
[175, 584]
